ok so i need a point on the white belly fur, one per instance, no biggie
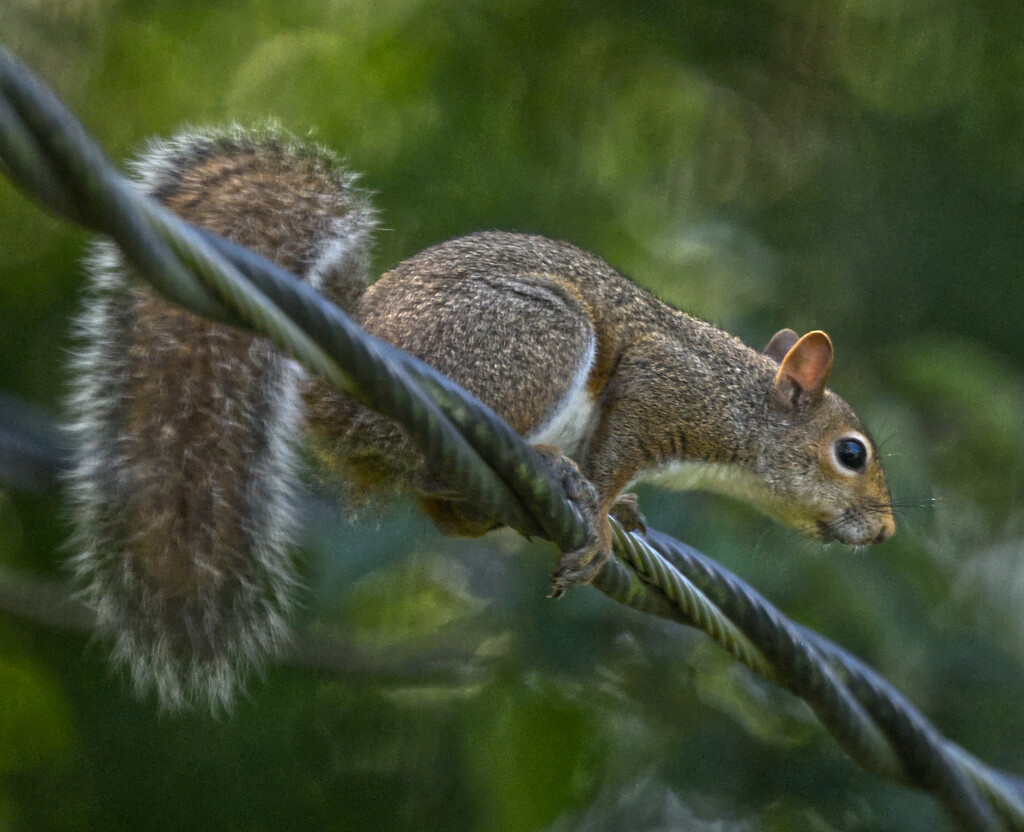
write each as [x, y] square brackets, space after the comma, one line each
[569, 422]
[727, 480]
[692, 475]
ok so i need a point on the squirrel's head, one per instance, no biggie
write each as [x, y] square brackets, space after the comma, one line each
[820, 464]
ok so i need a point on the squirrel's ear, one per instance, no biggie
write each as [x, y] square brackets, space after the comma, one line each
[781, 343]
[805, 368]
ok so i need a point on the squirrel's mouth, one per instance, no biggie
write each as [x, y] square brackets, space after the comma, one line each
[855, 529]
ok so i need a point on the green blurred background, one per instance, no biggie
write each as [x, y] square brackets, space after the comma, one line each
[850, 165]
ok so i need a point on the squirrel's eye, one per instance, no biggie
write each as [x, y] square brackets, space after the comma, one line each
[851, 453]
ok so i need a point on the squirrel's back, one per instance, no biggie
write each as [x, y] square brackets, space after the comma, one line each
[184, 476]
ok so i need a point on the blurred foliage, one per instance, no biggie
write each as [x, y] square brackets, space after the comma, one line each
[853, 165]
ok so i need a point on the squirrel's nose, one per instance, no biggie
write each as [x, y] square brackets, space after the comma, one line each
[888, 530]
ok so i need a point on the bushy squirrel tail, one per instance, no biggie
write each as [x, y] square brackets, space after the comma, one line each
[184, 476]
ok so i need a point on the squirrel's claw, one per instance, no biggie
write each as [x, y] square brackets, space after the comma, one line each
[579, 567]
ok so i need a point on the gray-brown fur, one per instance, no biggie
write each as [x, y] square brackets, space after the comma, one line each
[184, 472]
[510, 316]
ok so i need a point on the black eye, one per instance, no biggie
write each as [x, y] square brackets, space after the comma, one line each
[851, 453]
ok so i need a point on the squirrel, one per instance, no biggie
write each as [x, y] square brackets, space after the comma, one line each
[186, 431]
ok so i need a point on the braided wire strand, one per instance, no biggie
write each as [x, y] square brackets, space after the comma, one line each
[47, 152]
[700, 611]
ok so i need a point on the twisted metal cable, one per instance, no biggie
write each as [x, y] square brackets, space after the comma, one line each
[46, 151]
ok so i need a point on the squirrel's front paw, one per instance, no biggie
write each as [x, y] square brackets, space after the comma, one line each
[627, 512]
[581, 565]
